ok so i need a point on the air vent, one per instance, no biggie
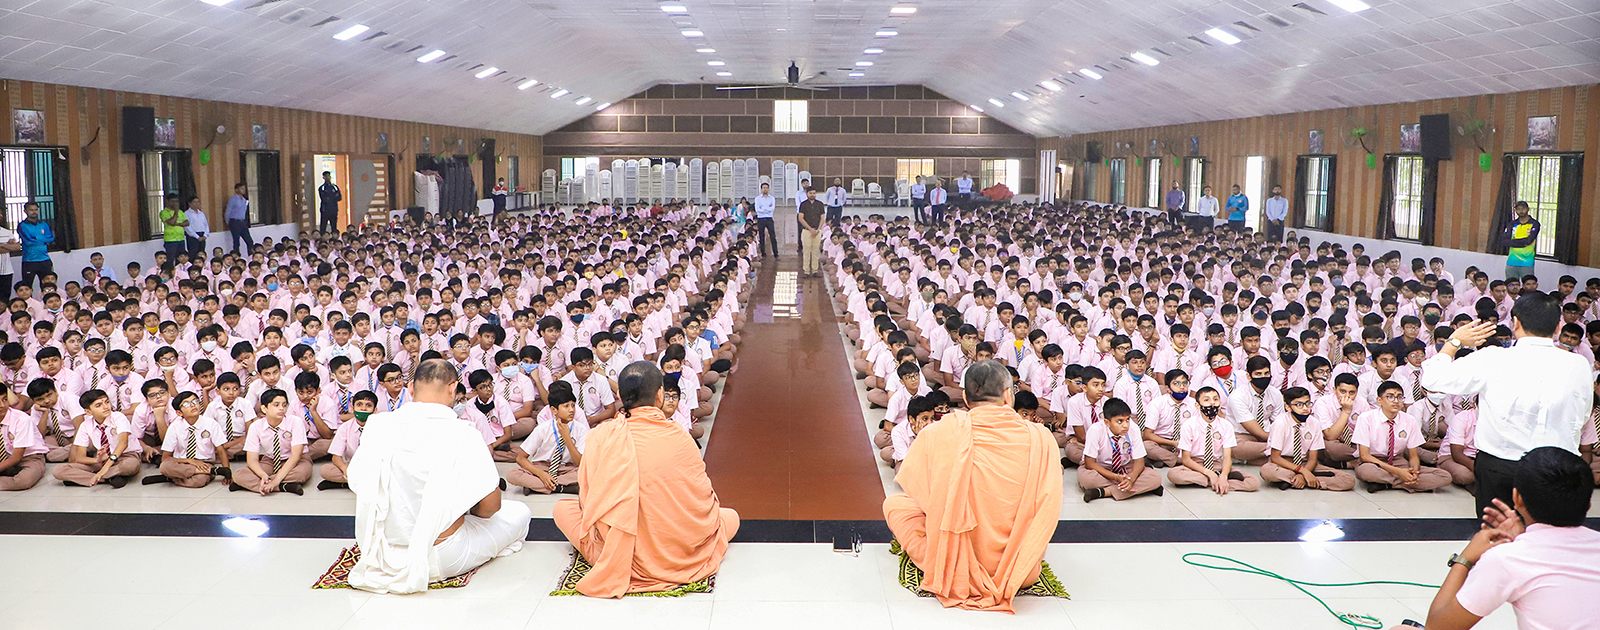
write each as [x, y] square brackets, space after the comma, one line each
[260, 4]
[1161, 51]
[294, 16]
[327, 20]
[1309, 9]
[1275, 20]
[374, 36]
[1246, 25]
[1199, 40]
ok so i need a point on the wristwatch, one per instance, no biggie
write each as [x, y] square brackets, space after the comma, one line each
[1454, 342]
[1456, 559]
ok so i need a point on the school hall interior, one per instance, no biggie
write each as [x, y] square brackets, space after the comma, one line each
[1331, 186]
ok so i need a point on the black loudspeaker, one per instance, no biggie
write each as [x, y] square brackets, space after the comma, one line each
[1091, 152]
[1435, 132]
[138, 129]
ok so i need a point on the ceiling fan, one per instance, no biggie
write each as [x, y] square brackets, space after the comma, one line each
[793, 78]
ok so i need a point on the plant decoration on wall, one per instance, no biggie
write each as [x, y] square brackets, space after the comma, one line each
[1469, 127]
[1358, 134]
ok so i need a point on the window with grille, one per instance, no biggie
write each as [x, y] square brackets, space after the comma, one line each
[161, 173]
[1539, 184]
[1194, 180]
[30, 175]
[910, 169]
[1119, 181]
[1315, 209]
[789, 116]
[1406, 197]
[1152, 182]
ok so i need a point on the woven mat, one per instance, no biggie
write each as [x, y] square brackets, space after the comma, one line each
[580, 567]
[338, 575]
[911, 578]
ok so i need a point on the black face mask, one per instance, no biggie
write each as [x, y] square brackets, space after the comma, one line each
[1430, 318]
[1261, 382]
[1300, 417]
[1210, 411]
[1282, 332]
[1289, 357]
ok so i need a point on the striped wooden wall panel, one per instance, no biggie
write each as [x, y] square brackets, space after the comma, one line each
[104, 191]
[1466, 194]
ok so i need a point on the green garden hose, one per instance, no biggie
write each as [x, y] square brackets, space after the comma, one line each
[1351, 619]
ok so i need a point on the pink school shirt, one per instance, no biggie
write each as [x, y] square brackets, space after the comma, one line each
[1549, 575]
[1372, 431]
[260, 437]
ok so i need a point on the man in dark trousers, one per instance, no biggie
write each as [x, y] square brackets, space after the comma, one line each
[329, 196]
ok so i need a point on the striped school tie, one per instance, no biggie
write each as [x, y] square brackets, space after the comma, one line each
[1390, 456]
[344, 400]
[1416, 384]
[227, 422]
[1119, 459]
[190, 446]
[277, 449]
[1299, 444]
[5, 446]
[560, 453]
[1138, 409]
[1208, 459]
[53, 421]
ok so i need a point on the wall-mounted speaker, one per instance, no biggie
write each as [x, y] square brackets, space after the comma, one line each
[138, 129]
[1435, 132]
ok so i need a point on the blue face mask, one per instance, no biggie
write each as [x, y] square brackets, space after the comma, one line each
[577, 319]
[1179, 396]
[119, 377]
[528, 368]
[272, 286]
[1136, 377]
[675, 375]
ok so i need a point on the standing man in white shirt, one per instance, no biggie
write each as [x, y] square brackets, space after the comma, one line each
[765, 205]
[964, 189]
[937, 197]
[1277, 210]
[835, 199]
[919, 199]
[1206, 206]
[1531, 394]
[198, 228]
[10, 244]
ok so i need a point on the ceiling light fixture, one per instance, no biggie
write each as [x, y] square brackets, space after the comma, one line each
[716, 63]
[904, 9]
[872, 51]
[582, 101]
[674, 8]
[528, 84]
[858, 74]
[487, 71]
[691, 33]
[1050, 85]
[1145, 59]
[1352, 6]
[1223, 36]
[724, 74]
[602, 107]
[216, 3]
[863, 64]
[996, 102]
[976, 108]
[886, 33]
[559, 93]
[351, 32]
[430, 56]
[1019, 96]
[1089, 73]
[705, 50]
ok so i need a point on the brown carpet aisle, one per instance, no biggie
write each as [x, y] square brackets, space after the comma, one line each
[789, 441]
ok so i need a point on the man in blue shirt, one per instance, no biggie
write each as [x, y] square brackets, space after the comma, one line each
[36, 237]
[329, 196]
[238, 217]
[1238, 205]
[765, 205]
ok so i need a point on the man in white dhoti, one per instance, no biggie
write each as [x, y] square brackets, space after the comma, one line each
[427, 493]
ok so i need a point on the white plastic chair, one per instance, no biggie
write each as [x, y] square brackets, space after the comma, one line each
[858, 190]
[902, 192]
[875, 193]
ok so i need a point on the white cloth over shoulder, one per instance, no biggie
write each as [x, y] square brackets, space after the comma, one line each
[418, 470]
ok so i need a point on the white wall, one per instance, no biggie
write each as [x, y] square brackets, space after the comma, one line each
[1455, 260]
[68, 264]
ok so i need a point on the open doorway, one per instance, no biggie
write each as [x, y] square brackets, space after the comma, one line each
[1255, 178]
[338, 168]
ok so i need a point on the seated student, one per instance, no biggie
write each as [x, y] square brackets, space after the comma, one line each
[491, 414]
[1458, 450]
[22, 448]
[151, 416]
[646, 516]
[1387, 440]
[1166, 418]
[1206, 451]
[192, 452]
[1295, 441]
[1113, 462]
[104, 449]
[1080, 410]
[673, 408]
[229, 411]
[346, 439]
[1589, 439]
[392, 391]
[319, 414]
[1337, 413]
[1537, 557]
[982, 497]
[920, 412]
[1431, 412]
[593, 392]
[425, 479]
[957, 358]
[910, 385]
[274, 450]
[1252, 408]
[56, 417]
[548, 461]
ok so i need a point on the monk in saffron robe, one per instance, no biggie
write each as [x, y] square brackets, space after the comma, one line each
[982, 497]
[646, 517]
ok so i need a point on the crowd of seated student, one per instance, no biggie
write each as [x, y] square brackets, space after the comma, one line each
[1220, 347]
[253, 369]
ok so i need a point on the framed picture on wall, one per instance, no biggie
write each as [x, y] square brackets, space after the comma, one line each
[166, 132]
[258, 136]
[1314, 141]
[1194, 145]
[29, 124]
[1154, 150]
[383, 143]
[427, 146]
[1542, 133]
[1411, 138]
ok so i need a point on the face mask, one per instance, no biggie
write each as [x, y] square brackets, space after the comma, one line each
[1075, 295]
[1289, 357]
[1209, 310]
[119, 378]
[1436, 397]
[1300, 417]
[508, 371]
[1430, 318]
[577, 319]
[361, 416]
[528, 368]
[1136, 377]
[1179, 396]
[227, 292]
[272, 286]
[1210, 411]
[460, 408]
[208, 346]
[1222, 372]
[675, 375]
[1261, 382]
[1281, 332]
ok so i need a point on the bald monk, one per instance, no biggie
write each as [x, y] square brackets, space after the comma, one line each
[646, 517]
[427, 493]
[982, 496]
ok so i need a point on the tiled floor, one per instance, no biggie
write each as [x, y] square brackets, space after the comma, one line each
[262, 583]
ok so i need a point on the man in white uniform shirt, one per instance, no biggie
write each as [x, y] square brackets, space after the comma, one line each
[964, 189]
[835, 199]
[1277, 211]
[919, 199]
[937, 197]
[1206, 206]
[1530, 395]
[765, 206]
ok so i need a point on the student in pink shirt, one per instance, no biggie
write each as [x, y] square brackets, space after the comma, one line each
[1296, 440]
[319, 414]
[104, 449]
[1537, 557]
[1387, 442]
[22, 448]
[274, 450]
[346, 439]
[1165, 419]
[1206, 450]
[1113, 460]
[192, 452]
[547, 462]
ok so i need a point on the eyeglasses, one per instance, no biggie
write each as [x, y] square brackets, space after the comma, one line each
[391, 379]
[584, 364]
[192, 402]
[1300, 404]
[671, 396]
[1393, 397]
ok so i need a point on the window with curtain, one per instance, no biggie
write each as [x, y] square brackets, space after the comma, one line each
[38, 176]
[1152, 182]
[789, 116]
[1539, 184]
[1194, 180]
[1119, 181]
[161, 173]
[1405, 197]
[1314, 205]
[1001, 171]
[1090, 170]
[911, 168]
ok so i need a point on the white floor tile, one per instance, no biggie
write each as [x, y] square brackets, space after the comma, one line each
[386, 612]
[691, 612]
[1307, 614]
[259, 612]
[1044, 613]
[65, 609]
[1301, 561]
[799, 572]
[1121, 615]
[779, 615]
[1077, 565]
